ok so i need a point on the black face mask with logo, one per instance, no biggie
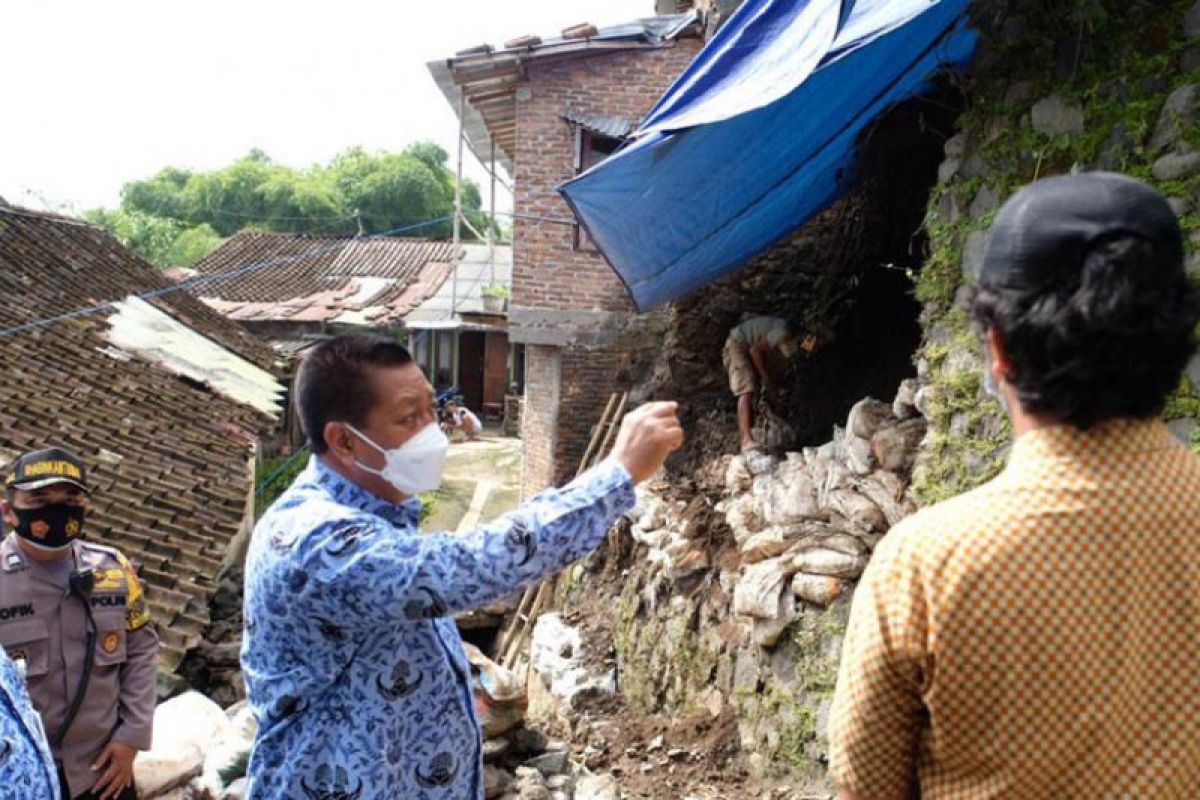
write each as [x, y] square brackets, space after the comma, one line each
[51, 526]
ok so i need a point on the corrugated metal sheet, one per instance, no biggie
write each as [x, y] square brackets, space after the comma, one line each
[613, 127]
[464, 297]
[139, 328]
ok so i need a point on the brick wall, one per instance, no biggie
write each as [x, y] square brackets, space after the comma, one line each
[539, 418]
[589, 377]
[568, 386]
[547, 271]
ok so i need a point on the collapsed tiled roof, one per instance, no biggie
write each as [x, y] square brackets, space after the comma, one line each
[257, 276]
[170, 456]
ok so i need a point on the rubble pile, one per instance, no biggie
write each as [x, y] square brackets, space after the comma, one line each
[807, 521]
[735, 601]
[213, 666]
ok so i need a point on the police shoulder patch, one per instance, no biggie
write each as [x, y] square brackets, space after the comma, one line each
[137, 613]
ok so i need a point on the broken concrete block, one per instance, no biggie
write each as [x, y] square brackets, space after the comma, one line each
[556, 656]
[597, 787]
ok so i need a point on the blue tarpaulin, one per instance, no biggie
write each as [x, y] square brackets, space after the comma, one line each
[758, 134]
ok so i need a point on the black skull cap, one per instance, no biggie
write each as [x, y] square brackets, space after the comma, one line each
[1044, 232]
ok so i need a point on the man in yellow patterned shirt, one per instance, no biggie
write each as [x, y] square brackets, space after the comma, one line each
[1039, 637]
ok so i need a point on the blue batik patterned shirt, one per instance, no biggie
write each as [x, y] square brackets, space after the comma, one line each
[353, 664]
[27, 770]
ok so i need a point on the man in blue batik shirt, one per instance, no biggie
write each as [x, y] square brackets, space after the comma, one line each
[354, 666]
[27, 770]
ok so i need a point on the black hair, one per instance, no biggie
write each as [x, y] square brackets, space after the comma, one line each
[334, 382]
[1108, 341]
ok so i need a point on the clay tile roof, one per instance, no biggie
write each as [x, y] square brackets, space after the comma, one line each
[306, 278]
[169, 456]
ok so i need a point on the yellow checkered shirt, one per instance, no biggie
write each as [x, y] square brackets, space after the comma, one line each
[1038, 637]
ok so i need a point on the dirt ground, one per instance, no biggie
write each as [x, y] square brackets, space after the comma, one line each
[495, 462]
[691, 756]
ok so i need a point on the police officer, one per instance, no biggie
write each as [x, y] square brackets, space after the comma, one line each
[73, 613]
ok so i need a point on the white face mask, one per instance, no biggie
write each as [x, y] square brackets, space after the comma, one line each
[415, 466]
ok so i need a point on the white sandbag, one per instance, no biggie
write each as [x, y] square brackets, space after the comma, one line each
[744, 515]
[758, 590]
[828, 562]
[185, 727]
[766, 544]
[227, 749]
[820, 590]
[868, 416]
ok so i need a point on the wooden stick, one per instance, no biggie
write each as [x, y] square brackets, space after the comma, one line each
[509, 647]
[506, 634]
[587, 455]
[611, 436]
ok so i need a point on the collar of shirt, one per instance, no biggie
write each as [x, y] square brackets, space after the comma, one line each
[349, 493]
[1103, 447]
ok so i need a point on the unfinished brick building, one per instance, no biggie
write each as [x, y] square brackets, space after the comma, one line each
[546, 110]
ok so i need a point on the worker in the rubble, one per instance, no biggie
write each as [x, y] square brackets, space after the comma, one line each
[353, 663]
[1037, 637]
[27, 769]
[745, 356]
[74, 618]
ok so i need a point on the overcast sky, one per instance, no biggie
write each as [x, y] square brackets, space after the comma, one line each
[99, 93]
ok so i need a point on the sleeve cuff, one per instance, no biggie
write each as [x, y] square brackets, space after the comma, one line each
[138, 738]
[609, 478]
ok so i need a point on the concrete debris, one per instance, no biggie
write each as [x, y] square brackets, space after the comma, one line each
[597, 787]
[556, 657]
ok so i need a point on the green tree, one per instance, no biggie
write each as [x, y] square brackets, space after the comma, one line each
[358, 190]
[191, 245]
[149, 236]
